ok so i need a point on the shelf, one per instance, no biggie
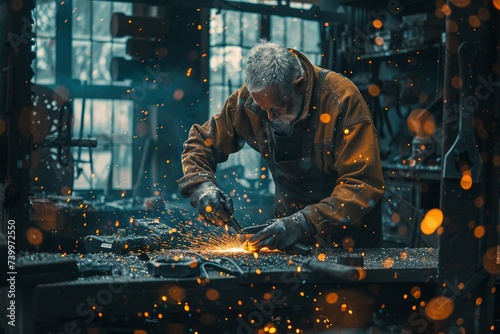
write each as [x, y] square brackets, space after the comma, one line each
[399, 51]
[417, 172]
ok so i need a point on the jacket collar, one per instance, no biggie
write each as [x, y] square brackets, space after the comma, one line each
[312, 78]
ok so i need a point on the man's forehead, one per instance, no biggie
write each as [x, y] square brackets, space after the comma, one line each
[270, 94]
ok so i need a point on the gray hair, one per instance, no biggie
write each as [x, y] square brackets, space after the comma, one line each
[271, 64]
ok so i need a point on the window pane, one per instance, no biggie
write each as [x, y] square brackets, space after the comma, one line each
[110, 123]
[45, 69]
[122, 7]
[81, 18]
[278, 31]
[122, 121]
[101, 58]
[102, 126]
[45, 22]
[102, 19]
[122, 167]
[81, 60]
[93, 175]
[216, 28]
[311, 36]
[233, 26]
[251, 29]
[225, 63]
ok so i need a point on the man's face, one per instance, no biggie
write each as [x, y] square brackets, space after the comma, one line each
[281, 110]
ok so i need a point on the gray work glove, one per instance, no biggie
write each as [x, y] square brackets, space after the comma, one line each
[282, 233]
[212, 203]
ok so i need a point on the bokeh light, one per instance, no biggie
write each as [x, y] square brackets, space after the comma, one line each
[377, 24]
[432, 220]
[466, 181]
[142, 129]
[388, 263]
[474, 21]
[456, 82]
[496, 4]
[379, 41]
[479, 232]
[439, 308]
[212, 294]
[374, 90]
[325, 118]
[421, 123]
[461, 3]
[3, 126]
[484, 14]
[34, 236]
[331, 298]
[490, 260]
[178, 94]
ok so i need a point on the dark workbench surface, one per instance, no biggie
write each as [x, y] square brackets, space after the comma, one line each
[70, 292]
[413, 264]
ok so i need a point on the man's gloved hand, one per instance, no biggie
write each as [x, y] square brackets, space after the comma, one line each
[282, 233]
[213, 204]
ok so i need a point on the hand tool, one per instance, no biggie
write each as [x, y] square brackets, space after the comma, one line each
[191, 266]
[342, 271]
[232, 222]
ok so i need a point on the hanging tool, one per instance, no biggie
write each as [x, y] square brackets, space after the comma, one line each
[464, 148]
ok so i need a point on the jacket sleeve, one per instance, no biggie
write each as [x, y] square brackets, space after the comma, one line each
[207, 145]
[360, 184]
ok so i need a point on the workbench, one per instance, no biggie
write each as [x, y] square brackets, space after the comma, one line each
[276, 293]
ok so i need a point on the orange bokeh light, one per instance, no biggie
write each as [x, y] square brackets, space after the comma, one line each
[325, 118]
[212, 294]
[466, 181]
[421, 123]
[432, 220]
[474, 21]
[439, 308]
[490, 260]
[331, 298]
[461, 3]
[374, 90]
[34, 236]
[496, 4]
[479, 231]
[377, 24]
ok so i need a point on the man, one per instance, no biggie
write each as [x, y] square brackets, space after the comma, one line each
[316, 134]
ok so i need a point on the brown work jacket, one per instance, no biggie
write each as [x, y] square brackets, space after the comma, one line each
[328, 169]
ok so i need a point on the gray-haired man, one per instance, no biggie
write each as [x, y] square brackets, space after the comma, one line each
[316, 134]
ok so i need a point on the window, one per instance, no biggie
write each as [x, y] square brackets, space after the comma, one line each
[86, 75]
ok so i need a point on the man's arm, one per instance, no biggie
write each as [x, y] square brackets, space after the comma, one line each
[207, 145]
[360, 183]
